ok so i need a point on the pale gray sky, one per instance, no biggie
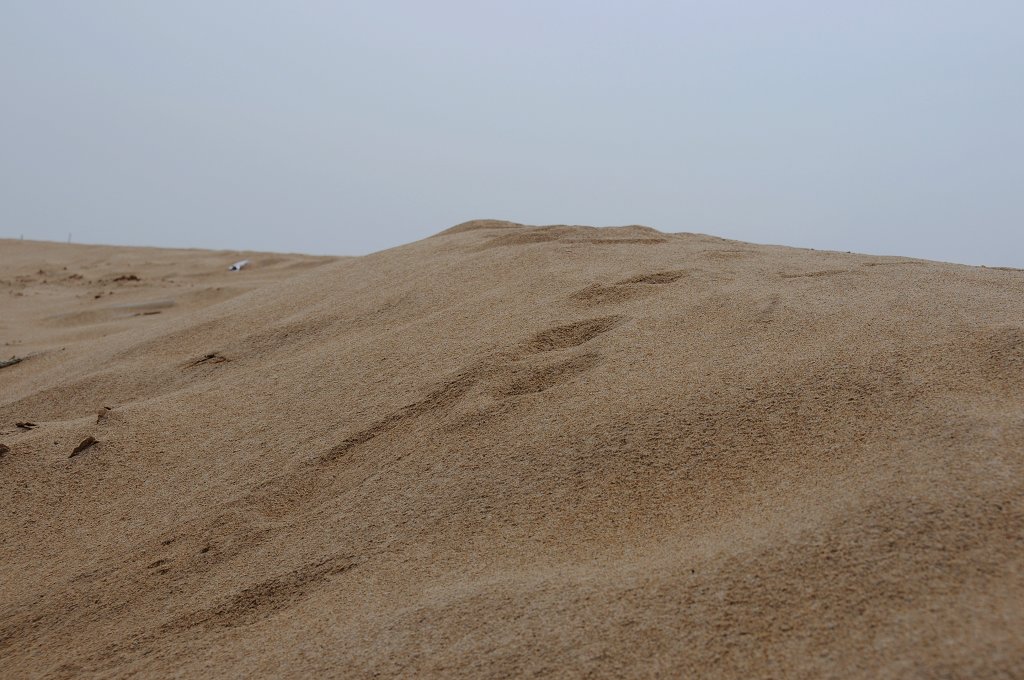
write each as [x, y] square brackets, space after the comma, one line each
[346, 127]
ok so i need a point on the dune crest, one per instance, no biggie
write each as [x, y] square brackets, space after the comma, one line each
[510, 450]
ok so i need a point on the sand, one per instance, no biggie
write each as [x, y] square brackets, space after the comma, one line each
[511, 451]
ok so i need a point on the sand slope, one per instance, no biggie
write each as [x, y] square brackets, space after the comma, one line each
[508, 450]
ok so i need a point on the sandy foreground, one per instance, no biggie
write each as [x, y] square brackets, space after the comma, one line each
[510, 451]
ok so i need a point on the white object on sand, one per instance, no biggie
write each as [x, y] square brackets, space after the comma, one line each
[238, 265]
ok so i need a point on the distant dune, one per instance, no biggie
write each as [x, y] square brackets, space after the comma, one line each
[510, 451]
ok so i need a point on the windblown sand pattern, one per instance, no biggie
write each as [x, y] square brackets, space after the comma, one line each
[510, 451]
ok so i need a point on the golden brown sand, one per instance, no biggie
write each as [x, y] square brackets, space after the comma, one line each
[511, 451]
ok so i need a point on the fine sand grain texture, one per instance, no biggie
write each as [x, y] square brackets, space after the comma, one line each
[510, 451]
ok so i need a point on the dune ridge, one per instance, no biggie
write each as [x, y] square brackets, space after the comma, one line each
[508, 450]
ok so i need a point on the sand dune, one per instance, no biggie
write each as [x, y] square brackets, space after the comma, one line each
[511, 451]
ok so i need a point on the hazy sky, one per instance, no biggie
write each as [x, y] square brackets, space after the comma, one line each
[343, 127]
